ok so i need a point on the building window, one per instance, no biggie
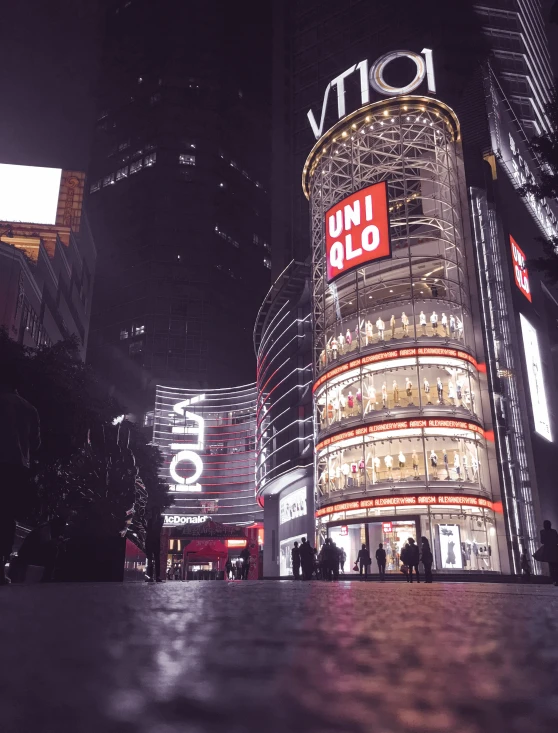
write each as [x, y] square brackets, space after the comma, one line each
[138, 330]
[124, 334]
[186, 175]
[150, 159]
[122, 173]
[267, 246]
[95, 186]
[148, 419]
[135, 167]
[135, 348]
[154, 98]
[150, 146]
[267, 263]
[186, 159]
[108, 180]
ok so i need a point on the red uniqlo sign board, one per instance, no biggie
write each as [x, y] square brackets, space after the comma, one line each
[520, 271]
[357, 230]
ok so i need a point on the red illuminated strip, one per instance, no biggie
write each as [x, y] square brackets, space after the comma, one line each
[408, 500]
[394, 354]
[393, 425]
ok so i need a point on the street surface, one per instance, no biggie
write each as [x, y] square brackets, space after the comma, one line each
[279, 657]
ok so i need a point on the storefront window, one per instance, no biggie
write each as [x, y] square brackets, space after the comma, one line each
[464, 542]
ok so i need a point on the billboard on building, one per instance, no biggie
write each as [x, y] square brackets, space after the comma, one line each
[29, 194]
[535, 376]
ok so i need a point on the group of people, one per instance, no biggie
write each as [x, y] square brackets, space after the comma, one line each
[240, 568]
[303, 560]
[411, 555]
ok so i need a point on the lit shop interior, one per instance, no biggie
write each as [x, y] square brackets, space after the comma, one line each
[423, 459]
[461, 538]
[424, 383]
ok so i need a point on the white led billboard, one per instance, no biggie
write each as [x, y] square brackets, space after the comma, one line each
[29, 194]
[536, 378]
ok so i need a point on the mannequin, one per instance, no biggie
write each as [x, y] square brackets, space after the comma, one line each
[358, 401]
[395, 393]
[473, 401]
[467, 398]
[409, 391]
[452, 325]
[335, 405]
[440, 388]
[330, 412]
[337, 474]
[475, 467]
[426, 387]
[434, 464]
[422, 324]
[401, 459]
[334, 348]
[415, 460]
[392, 326]
[459, 327]
[457, 466]
[388, 460]
[459, 392]
[444, 324]
[348, 339]
[322, 481]
[357, 333]
[466, 467]
[434, 322]
[342, 405]
[345, 470]
[323, 358]
[446, 464]
[381, 326]
[405, 324]
[341, 341]
[384, 395]
[354, 474]
[369, 332]
[350, 403]
[370, 397]
[451, 393]
[362, 472]
[376, 471]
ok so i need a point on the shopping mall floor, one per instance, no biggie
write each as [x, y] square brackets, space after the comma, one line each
[280, 657]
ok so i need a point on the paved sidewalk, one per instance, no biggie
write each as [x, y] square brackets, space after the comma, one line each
[279, 657]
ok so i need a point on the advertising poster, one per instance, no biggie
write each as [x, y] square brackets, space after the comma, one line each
[449, 537]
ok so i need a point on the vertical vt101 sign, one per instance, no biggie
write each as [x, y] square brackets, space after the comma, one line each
[187, 451]
[357, 230]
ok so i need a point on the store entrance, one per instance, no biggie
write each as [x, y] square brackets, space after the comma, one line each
[393, 534]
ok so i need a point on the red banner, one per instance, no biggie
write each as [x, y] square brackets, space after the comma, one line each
[409, 500]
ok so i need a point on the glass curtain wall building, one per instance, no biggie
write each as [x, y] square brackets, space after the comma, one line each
[397, 404]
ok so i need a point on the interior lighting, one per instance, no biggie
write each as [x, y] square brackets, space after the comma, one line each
[344, 134]
[368, 119]
[385, 113]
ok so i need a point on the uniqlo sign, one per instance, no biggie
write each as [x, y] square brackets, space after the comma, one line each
[520, 271]
[357, 230]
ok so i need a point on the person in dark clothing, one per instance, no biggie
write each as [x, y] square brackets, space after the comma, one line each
[427, 559]
[525, 564]
[364, 561]
[342, 559]
[153, 527]
[229, 569]
[549, 541]
[381, 560]
[19, 437]
[306, 559]
[329, 558]
[245, 555]
[295, 561]
[410, 555]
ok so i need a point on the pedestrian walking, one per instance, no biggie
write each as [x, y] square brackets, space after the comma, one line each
[549, 550]
[427, 559]
[153, 527]
[238, 569]
[295, 561]
[229, 569]
[410, 555]
[364, 561]
[245, 555]
[525, 564]
[19, 437]
[381, 560]
[342, 559]
[329, 558]
[306, 559]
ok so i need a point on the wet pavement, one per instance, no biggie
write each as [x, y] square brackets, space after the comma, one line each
[276, 657]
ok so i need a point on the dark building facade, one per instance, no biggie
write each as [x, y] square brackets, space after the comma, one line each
[177, 196]
[341, 65]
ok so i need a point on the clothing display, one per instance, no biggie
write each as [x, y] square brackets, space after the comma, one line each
[381, 326]
[451, 393]
[348, 338]
[405, 324]
[409, 387]
[434, 321]
[440, 388]
[450, 560]
[384, 395]
[457, 465]
[395, 393]
[401, 459]
[392, 326]
[434, 463]
[415, 464]
[444, 322]
[388, 460]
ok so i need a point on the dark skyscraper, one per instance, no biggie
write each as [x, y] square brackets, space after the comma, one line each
[178, 195]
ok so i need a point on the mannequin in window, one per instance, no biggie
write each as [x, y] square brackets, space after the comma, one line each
[384, 395]
[348, 339]
[475, 467]
[345, 470]
[358, 401]
[323, 358]
[426, 387]
[415, 461]
[459, 327]
[351, 403]
[388, 460]
[342, 405]
[381, 326]
[369, 331]
[459, 391]
[457, 466]
[335, 405]
[444, 324]
[401, 462]
[330, 412]
[440, 388]
[467, 398]
[375, 463]
[405, 324]
[422, 324]
[452, 325]
[392, 326]
[341, 342]
[334, 348]
[337, 474]
[409, 390]
[362, 472]
[354, 473]
[446, 464]
[466, 467]
[434, 323]
[451, 393]
[395, 393]
[434, 463]
[370, 397]
[473, 401]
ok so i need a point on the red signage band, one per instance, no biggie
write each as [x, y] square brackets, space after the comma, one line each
[407, 500]
[394, 354]
[357, 230]
[520, 271]
[393, 425]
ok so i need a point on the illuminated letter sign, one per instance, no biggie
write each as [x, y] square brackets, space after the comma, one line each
[357, 230]
[536, 378]
[520, 271]
[375, 79]
[187, 451]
